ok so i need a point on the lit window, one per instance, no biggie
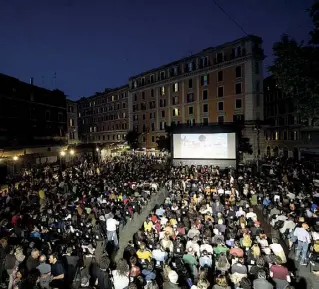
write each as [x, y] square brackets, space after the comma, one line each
[276, 135]
[163, 90]
[175, 112]
[176, 87]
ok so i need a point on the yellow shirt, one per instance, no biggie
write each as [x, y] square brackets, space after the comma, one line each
[173, 222]
[42, 194]
[148, 226]
[146, 255]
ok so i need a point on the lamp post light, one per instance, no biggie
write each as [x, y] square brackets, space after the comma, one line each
[15, 159]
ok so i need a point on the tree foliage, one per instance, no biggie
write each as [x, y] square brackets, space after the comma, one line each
[165, 142]
[296, 70]
[132, 139]
[244, 145]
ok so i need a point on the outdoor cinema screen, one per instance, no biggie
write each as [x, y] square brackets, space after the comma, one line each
[204, 146]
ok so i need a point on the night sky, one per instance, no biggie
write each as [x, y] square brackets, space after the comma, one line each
[94, 46]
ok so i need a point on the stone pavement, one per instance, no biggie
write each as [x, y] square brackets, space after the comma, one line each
[131, 227]
[305, 279]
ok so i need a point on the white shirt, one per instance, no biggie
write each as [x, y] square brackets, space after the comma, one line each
[111, 224]
[315, 236]
[302, 235]
[252, 216]
[278, 251]
[288, 225]
[119, 281]
[208, 248]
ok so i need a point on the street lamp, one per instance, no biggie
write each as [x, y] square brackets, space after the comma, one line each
[62, 153]
[15, 158]
[72, 152]
[97, 149]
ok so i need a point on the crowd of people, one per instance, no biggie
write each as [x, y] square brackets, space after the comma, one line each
[213, 230]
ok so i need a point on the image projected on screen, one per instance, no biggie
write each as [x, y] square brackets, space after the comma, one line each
[214, 146]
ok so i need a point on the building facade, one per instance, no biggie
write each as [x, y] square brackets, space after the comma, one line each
[285, 134]
[219, 84]
[104, 117]
[30, 115]
[72, 121]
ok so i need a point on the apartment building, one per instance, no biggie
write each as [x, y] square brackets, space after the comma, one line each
[104, 117]
[218, 84]
[30, 116]
[72, 121]
[285, 134]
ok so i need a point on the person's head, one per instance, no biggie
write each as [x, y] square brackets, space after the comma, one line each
[35, 253]
[222, 281]
[260, 262]
[245, 283]
[21, 273]
[262, 274]
[133, 260]
[42, 259]
[53, 258]
[122, 267]
[202, 284]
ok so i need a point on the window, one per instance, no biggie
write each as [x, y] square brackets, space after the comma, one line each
[135, 97]
[143, 95]
[152, 78]
[220, 119]
[257, 67]
[162, 75]
[220, 105]
[238, 103]
[163, 113]
[190, 83]
[175, 100]
[152, 92]
[205, 94]
[276, 135]
[238, 71]
[238, 117]
[238, 88]
[190, 110]
[175, 112]
[190, 66]
[175, 70]
[204, 61]
[190, 97]
[162, 102]
[176, 87]
[153, 138]
[205, 80]
[60, 117]
[143, 80]
[162, 125]
[71, 122]
[152, 126]
[71, 109]
[220, 76]
[220, 92]
[163, 90]
[205, 108]
[220, 57]
[205, 120]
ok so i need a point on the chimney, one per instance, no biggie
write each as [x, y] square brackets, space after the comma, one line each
[31, 80]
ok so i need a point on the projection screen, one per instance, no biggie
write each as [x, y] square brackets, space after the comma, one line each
[204, 146]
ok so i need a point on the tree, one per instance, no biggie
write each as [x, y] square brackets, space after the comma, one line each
[314, 14]
[165, 142]
[244, 145]
[132, 139]
[296, 70]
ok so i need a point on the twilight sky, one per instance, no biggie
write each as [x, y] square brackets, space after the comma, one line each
[95, 44]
